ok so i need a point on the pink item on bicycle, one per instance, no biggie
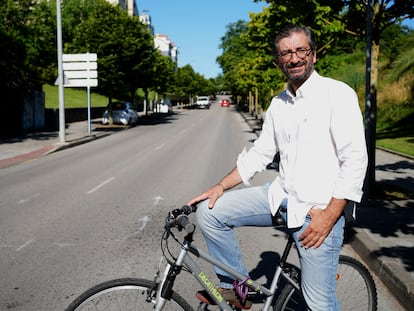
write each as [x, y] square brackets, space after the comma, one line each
[241, 289]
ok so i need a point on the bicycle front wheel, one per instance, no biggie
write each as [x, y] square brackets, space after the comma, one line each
[125, 294]
[355, 289]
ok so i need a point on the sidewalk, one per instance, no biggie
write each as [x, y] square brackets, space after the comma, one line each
[383, 234]
[35, 145]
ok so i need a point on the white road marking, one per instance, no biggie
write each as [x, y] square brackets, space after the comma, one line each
[144, 221]
[22, 201]
[157, 200]
[64, 244]
[101, 185]
[159, 146]
[24, 245]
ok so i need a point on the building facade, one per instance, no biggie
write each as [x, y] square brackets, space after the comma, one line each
[161, 42]
[128, 5]
[166, 46]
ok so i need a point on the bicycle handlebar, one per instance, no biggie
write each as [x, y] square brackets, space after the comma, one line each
[179, 218]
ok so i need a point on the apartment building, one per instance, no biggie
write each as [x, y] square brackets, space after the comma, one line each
[128, 5]
[166, 46]
[161, 42]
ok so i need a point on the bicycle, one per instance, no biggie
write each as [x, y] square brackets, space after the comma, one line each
[355, 286]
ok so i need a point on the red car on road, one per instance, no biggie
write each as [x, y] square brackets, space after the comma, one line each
[225, 103]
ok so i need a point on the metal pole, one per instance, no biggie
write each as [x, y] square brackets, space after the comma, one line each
[89, 97]
[89, 110]
[369, 126]
[60, 74]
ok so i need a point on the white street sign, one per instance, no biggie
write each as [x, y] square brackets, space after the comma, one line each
[78, 74]
[85, 57]
[79, 66]
[80, 70]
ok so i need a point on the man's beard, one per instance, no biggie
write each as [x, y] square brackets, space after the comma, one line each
[298, 78]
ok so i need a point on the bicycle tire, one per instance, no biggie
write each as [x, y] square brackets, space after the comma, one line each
[124, 294]
[355, 289]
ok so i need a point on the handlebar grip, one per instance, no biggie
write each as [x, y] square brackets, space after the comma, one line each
[186, 209]
[185, 223]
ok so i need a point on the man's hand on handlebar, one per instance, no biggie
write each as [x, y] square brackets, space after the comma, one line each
[213, 194]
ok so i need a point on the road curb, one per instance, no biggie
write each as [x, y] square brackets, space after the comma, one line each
[80, 141]
[26, 156]
[43, 151]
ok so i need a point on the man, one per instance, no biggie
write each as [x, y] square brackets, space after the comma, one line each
[316, 126]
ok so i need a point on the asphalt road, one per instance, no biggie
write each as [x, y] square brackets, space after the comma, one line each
[96, 211]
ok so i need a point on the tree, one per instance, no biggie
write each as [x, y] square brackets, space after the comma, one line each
[331, 20]
[235, 51]
[247, 59]
[27, 53]
[162, 72]
[124, 47]
[380, 14]
[187, 82]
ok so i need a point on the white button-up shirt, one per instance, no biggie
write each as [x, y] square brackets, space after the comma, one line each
[320, 136]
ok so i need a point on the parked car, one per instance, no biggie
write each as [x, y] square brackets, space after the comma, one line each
[163, 106]
[120, 113]
[225, 103]
[203, 102]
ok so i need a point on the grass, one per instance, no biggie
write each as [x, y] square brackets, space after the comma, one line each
[74, 98]
[395, 122]
[395, 112]
[388, 191]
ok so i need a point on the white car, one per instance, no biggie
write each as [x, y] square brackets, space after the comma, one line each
[163, 106]
[203, 102]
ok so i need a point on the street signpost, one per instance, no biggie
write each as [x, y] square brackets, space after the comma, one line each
[60, 73]
[81, 70]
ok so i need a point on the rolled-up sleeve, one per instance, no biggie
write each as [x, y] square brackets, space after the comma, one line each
[260, 154]
[348, 134]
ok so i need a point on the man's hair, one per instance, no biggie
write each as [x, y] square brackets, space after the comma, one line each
[287, 31]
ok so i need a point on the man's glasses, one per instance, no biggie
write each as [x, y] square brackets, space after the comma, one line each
[300, 52]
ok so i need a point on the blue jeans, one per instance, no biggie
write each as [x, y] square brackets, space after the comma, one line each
[250, 207]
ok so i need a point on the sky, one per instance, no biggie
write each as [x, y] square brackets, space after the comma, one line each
[196, 27]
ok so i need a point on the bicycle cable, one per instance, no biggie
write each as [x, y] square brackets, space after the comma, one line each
[166, 249]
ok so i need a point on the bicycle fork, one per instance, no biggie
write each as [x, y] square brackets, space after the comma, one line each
[170, 273]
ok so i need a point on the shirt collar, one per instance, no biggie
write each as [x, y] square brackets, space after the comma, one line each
[304, 88]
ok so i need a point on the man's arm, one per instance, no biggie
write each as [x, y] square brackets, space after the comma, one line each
[231, 180]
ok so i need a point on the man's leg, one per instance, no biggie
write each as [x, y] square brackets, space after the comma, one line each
[319, 268]
[242, 207]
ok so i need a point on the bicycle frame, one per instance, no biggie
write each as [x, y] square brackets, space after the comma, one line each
[184, 259]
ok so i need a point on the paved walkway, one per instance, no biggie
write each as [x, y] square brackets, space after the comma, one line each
[383, 234]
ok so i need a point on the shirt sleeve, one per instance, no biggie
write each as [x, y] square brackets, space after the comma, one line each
[260, 154]
[348, 134]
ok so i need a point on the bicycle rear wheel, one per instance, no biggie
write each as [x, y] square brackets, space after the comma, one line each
[355, 289]
[125, 294]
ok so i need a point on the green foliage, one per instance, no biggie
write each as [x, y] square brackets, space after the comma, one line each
[402, 61]
[124, 48]
[395, 115]
[349, 68]
[189, 83]
[26, 36]
[163, 74]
